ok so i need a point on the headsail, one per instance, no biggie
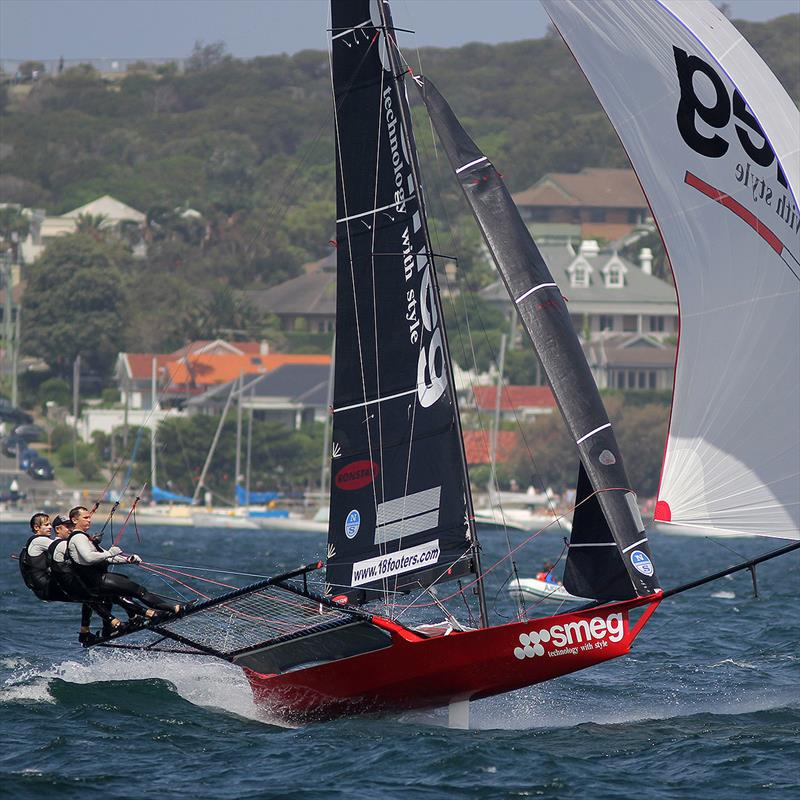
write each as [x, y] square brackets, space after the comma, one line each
[547, 321]
[714, 140]
[399, 496]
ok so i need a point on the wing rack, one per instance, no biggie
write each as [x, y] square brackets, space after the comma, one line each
[255, 617]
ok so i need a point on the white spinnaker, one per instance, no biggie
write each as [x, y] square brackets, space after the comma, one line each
[667, 73]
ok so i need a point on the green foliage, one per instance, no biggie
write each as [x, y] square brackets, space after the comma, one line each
[82, 456]
[282, 459]
[110, 395]
[57, 390]
[85, 314]
[60, 436]
[249, 145]
[641, 429]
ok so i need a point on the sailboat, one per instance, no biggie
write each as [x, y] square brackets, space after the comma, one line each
[402, 532]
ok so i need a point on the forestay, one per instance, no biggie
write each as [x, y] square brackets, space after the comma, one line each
[399, 500]
[714, 139]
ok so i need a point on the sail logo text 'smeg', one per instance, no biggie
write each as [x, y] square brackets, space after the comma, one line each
[373, 569]
[570, 637]
[356, 475]
[717, 114]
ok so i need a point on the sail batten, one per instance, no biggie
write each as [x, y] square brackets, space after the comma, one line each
[718, 160]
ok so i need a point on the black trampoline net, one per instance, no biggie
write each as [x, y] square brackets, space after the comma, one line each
[251, 619]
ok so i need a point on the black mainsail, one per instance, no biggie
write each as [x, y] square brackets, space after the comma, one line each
[619, 529]
[400, 514]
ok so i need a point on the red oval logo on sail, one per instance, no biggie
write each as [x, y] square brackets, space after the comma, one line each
[356, 475]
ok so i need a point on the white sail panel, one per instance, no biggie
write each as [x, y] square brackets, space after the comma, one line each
[702, 118]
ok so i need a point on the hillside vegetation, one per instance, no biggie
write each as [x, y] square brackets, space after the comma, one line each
[249, 144]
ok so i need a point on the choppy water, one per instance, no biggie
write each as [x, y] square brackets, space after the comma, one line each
[707, 705]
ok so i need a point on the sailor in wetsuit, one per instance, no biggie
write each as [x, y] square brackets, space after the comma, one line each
[90, 562]
[33, 560]
[66, 581]
[35, 563]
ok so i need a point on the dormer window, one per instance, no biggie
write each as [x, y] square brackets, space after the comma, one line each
[614, 273]
[614, 277]
[579, 273]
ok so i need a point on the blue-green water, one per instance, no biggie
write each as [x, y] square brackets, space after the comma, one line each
[707, 705]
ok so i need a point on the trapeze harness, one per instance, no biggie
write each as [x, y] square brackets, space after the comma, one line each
[34, 569]
[37, 573]
[101, 584]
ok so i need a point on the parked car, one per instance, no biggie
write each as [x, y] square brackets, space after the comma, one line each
[11, 443]
[27, 456]
[41, 469]
[31, 433]
[16, 416]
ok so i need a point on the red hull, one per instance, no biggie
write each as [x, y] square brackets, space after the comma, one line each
[418, 672]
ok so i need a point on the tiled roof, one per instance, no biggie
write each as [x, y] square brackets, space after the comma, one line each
[140, 364]
[208, 370]
[111, 208]
[592, 187]
[639, 286]
[476, 446]
[306, 384]
[514, 397]
[309, 294]
[629, 350]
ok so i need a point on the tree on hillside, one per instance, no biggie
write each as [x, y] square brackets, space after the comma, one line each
[206, 56]
[74, 304]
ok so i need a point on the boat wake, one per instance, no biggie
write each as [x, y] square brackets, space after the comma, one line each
[208, 683]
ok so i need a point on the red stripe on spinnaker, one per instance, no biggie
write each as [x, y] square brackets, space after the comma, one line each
[734, 205]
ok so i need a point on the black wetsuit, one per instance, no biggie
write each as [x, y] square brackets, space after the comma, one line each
[37, 575]
[66, 581]
[112, 585]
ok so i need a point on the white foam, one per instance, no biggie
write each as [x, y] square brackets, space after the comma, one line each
[205, 682]
[31, 692]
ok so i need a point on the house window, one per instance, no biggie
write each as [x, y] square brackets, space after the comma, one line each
[629, 323]
[580, 276]
[642, 380]
[657, 324]
[597, 215]
[614, 277]
[606, 322]
[634, 216]
[620, 379]
[651, 379]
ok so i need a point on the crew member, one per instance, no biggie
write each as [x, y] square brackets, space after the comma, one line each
[66, 581]
[90, 562]
[33, 560]
[546, 574]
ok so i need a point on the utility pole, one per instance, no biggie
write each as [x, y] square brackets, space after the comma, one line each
[76, 393]
[154, 425]
[8, 313]
[15, 359]
[238, 467]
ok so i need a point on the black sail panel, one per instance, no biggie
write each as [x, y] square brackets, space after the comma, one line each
[595, 567]
[398, 489]
[547, 321]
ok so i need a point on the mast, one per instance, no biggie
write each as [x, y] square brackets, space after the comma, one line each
[611, 560]
[238, 466]
[398, 70]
